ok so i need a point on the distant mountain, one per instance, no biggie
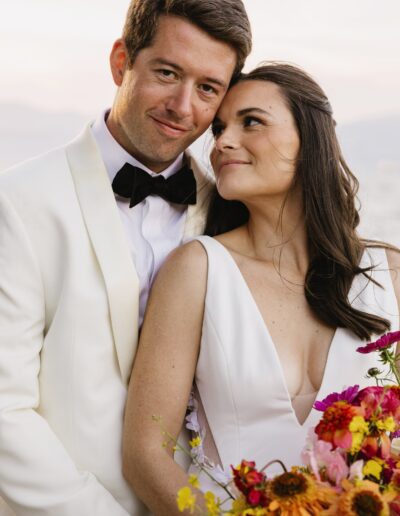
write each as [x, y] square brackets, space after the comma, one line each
[368, 144]
[371, 148]
[26, 131]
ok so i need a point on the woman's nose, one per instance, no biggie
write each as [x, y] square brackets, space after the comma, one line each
[227, 140]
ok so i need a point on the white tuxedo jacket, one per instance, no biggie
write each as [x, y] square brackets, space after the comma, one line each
[68, 334]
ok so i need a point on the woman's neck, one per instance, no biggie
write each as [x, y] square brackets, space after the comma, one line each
[276, 231]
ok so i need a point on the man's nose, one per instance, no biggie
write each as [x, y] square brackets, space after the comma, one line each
[181, 101]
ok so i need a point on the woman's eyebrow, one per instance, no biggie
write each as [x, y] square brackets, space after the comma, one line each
[246, 111]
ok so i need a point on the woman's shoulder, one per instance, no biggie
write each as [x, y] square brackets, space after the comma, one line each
[189, 259]
[391, 252]
[393, 257]
[183, 275]
[393, 263]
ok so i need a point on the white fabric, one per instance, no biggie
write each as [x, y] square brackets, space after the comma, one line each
[154, 227]
[68, 333]
[239, 376]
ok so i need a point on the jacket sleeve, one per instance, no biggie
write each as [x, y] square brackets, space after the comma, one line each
[37, 476]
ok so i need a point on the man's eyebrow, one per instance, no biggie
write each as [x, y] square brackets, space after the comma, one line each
[178, 68]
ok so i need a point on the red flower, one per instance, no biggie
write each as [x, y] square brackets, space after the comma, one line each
[251, 483]
[383, 343]
[254, 497]
[334, 425]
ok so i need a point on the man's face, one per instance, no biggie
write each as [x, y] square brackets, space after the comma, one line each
[172, 92]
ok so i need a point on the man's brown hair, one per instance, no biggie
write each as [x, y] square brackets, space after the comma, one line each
[224, 20]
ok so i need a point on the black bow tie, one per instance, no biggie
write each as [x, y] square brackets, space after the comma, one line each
[135, 184]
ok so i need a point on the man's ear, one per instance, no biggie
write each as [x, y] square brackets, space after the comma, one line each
[118, 61]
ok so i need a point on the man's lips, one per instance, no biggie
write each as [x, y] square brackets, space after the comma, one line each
[169, 127]
[232, 162]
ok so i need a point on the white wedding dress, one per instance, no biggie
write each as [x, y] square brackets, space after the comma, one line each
[239, 378]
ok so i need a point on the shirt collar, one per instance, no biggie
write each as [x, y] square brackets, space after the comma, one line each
[114, 156]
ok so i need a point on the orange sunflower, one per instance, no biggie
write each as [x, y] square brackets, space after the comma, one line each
[364, 499]
[298, 494]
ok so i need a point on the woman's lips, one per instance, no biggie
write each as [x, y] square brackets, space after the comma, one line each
[232, 162]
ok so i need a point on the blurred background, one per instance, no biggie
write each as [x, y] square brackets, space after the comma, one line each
[55, 78]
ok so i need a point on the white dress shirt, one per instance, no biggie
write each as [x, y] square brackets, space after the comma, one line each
[154, 227]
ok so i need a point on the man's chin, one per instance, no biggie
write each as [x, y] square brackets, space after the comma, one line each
[169, 154]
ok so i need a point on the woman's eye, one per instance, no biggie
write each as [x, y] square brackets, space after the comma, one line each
[251, 121]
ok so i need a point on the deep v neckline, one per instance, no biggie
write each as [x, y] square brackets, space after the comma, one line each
[257, 311]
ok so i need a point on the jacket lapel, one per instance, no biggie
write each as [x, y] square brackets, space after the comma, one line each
[110, 245]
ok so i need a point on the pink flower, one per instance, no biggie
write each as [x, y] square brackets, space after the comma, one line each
[383, 343]
[314, 453]
[336, 467]
[347, 395]
[318, 455]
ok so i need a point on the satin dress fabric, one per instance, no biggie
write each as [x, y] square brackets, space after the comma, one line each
[239, 376]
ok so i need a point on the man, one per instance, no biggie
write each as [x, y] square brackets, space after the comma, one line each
[77, 259]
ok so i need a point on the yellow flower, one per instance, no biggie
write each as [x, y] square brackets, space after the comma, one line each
[356, 442]
[195, 442]
[186, 499]
[194, 481]
[387, 425]
[239, 505]
[358, 428]
[359, 425]
[211, 504]
[373, 468]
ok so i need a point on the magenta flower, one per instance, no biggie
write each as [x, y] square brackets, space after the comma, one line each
[348, 395]
[383, 343]
[386, 400]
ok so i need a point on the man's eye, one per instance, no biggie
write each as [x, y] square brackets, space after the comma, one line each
[168, 74]
[207, 89]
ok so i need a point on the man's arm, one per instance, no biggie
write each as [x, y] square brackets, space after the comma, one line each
[37, 476]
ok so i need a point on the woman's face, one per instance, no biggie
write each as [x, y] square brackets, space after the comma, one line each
[256, 143]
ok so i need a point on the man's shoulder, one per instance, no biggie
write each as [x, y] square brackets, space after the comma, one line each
[40, 169]
[38, 162]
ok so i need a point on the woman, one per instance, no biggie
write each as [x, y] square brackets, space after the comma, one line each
[265, 317]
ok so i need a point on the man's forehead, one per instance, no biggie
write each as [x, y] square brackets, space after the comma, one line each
[176, 38]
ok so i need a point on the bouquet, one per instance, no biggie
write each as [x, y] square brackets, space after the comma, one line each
[351, 460]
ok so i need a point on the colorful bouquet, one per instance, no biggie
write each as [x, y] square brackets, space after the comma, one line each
[351, 461]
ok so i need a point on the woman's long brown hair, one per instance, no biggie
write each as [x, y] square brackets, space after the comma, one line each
[329, 192]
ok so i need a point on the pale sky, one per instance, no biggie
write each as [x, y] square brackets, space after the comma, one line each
[54, 54]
